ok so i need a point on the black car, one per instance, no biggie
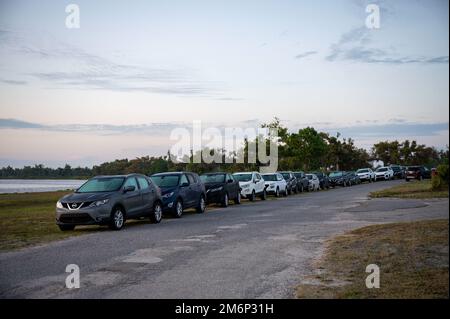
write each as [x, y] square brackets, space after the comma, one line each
[110, 200]
[181, 190]
[398, 171]
[339, 178]
[417, 172]
[353, 178]
[291, 181]
[324, 180]
[220, 188]
[302, 181]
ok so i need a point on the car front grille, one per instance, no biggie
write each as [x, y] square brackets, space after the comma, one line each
[76, 205]
[75, 218]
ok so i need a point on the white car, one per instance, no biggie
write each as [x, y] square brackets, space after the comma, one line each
[314, 183]
[252, 184]
[366, 175]
[275, 184]
[384, 172]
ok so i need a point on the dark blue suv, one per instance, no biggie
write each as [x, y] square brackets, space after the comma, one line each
[181, 190]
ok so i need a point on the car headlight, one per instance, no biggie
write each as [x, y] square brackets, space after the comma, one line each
[59, 204]
[99, 203]
[245, 186]
[168, 195]
[216, 189]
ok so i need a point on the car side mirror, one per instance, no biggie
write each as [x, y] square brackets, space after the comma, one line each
[130, 188]
[185, 184]
[230, 181]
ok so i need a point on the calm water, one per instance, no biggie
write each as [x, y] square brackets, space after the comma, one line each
[37, 185]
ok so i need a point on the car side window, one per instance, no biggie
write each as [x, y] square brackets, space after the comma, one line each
[143, 183]
[183, 180]
[191, 179]
[257, 177]
[230, 177]
[131, 181]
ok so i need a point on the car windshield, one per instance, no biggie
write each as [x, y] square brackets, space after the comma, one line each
[243, 177]
[413, 168]
[382, 169]
[101, 184]
[165, 180]
[309, 176]
[362, 171]
[298, 175]
[270, 177]
[286, 175]
[213, 178]
[335, 174]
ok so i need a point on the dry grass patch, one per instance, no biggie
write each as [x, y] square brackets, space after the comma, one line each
[413, 261]
[413, 189]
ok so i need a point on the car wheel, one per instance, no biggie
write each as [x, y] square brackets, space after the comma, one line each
[225, 200]
[238, 198]
[252, 196]
[117, 219]
[420, 178]
[201, 207]
[295, 189]
[285, 193]
[66, 227]
[277, 192]
[178, 209]
[406, 180]
[264, 195]
[156, 214]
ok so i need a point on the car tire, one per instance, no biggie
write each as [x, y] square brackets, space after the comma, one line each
[201, 206]
[420, 178]
[285, 193]
[225, 200]
[156, 215]
[178, 209]
[252, 196]
[238, 198]
[277, 192]
[66, 227]
[117, 218]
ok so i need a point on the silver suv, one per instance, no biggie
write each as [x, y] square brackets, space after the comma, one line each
[110, 200]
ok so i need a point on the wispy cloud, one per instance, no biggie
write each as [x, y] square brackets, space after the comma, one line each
[356, 45]
[65, 66]
[305, 54]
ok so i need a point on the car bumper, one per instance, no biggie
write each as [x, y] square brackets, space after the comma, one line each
[214, 197]
[84, 216]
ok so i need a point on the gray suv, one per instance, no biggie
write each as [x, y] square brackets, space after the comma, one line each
[110, 200]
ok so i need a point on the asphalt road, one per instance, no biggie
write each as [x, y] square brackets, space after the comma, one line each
[254, 250]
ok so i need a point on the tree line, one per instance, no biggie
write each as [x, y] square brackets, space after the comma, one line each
[307, 149]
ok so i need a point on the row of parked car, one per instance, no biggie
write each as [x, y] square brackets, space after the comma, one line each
[111, 200]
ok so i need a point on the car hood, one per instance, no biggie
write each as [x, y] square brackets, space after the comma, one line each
[381, 173]
[245, 183]
[86, 197]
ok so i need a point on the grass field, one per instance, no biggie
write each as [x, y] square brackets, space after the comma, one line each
[413, 189]
[28, 219]
[413, 261]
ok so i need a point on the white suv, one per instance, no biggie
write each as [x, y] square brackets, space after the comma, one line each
[385, 173]
[252, 184]
[275, 184]
[366, 174]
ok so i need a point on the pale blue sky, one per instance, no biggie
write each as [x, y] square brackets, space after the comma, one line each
[222, 62]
